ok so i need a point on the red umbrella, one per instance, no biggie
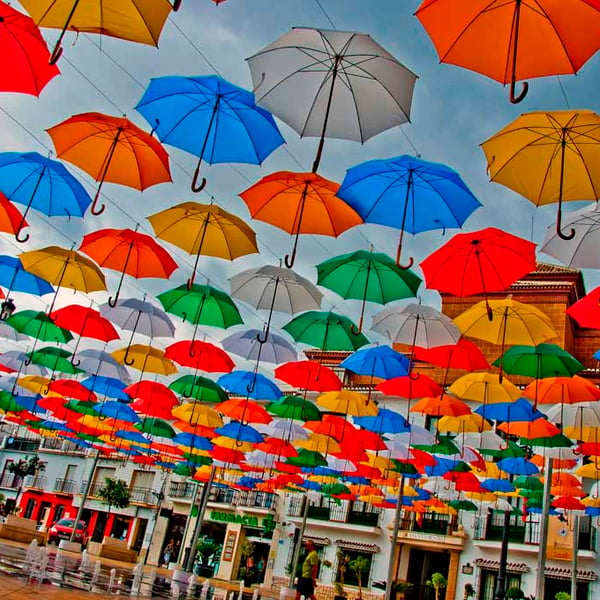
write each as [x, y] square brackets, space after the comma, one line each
[416, 385]
[587, 310]
[201, 356]
[334, 426]
[477, 263]
[441, 406]
[465, 482]
[277, 446]
[309, 375]
[129, 252]
[69, 388]
[464, 355]
[568, 503]
[152, 398]
[26, 64]
[242, 409]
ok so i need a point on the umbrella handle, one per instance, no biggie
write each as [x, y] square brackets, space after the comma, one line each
[262, 337]
[56, 53]
[97, 211]
[176, 5]
[195, 187]
[112, 302]
[75, 362]
[559, 232]
[516, 99]
[20, 239]
[411, 262]
[128, 361]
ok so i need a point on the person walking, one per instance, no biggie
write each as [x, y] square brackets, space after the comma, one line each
[310, 569]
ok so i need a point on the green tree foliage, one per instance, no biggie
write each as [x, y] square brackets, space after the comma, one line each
[30, 465]
[360, 565]
[115, 493]
[438, 583]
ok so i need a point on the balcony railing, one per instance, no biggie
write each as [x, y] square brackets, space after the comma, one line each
[10, 481]
[181, 489]
[143, 495]
[37, 482]
[355, 513]
[429, 522]
[61, 445]
[243, 498]
[20, 444]
[64, 486]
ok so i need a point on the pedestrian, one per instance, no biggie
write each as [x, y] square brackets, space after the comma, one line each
[169, 551]
[310, 569]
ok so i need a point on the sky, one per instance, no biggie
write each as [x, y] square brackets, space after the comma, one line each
[453, 111]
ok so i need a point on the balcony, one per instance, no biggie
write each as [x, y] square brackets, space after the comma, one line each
[143, 495]
[181, 489]
[20, 444]
[243, 498]
[64, 486]
[429, 522]
[62, 446]
[35, 482]
[352, 513]
[9, 481]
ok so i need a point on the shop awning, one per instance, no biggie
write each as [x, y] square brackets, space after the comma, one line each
[494, 565]
[565, 573]
[359, 546]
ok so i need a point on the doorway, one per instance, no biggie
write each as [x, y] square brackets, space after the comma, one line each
[99, 527]
[422, 565]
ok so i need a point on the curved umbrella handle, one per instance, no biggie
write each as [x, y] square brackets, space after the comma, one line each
[490, 313]
[195, 186]
[97, 211]
[20, 239]
[559, 232]
[516, 99]
[112, 302]
[128, 361]
[75, 361]
[262, 338]
[411, 262]
[176, 5]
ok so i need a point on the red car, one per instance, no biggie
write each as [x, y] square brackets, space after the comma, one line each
[62, 530]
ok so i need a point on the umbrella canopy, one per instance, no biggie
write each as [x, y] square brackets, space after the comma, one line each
[377, 361]
[347, 402]
[511, 411]
[415, 385]
[39, 326]
[548, 157]
[249, 345]
[204, 229]
[486, 388]
[409, 194]
[586, 311]
[210, 118]
[202, 356]
[441, 406]
[11, 220]
[98, 362]
[250, 384]
[300, 203]
[84, 321]
[55, 359]
[308, 375]
[145, 359]
[563, 390]
[198, 388]
[464, 355]
[140, 316]
[543, 360]
[295, 408]
[126, 20]
[367, 276]
[111, 149]
[16, 279]
[336, 84]
[512, 41]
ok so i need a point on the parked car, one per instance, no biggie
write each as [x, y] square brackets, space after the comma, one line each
[62, 530]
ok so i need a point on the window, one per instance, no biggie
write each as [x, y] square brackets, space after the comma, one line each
[357, 564]
[487, 589]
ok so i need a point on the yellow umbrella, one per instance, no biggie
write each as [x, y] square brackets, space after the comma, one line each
[485, 388]
[481, 496]
[319, 442]
[195, 414]
[204, 229]
[232, 443]
[35, 383]
[471, 423]
[548, 157]
[591, 471]
[347, 402]
[380, 462]
[146, 359]
[583, 434]
[132, 20]
[591, 502]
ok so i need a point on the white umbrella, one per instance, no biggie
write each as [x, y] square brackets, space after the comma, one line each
[17, 361]
[98, 362]
[486, 440]
[582, 414]
[10, 333]
[417, 435]
[139, 316]
[275, 350]
[285, 429]
[336, 84]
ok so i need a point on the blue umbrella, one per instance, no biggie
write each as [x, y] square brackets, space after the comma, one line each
[409, 194]
[30, 403]
[117, 410]
[16, 279]
[193, 441]
[250, 384]
[43, 184]
[498, 485]
[132, 436]
[377, 361]
[107, 386]
[517, 466]
[210, 118]
[385, 421]
[240, 432]
[519, 410]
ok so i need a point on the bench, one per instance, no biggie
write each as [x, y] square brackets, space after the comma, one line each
[18, 529]
[117, 550]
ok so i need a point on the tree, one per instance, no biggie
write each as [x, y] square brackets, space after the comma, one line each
[342, 565]
[562, 596]
[23, 468]
[438, 583]
[360, 565]
[115, 493]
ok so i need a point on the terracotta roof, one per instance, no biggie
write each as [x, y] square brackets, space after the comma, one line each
[565, 573]
[544, 267]
[317, 540]
[494, 565]
[351, 545]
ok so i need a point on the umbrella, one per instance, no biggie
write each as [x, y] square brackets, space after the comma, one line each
[563, 390]
[464, 355]
[511, 411]
[441, 406]
[486, 388]
[198, 388]
[201, 356]
[11, 220]
[134, 315]
[211, 118]
[586, 311]
[247, 344]
[98, 362]
[126, 20]
[145, 359]
[63, 268]
[377, 361]
[204, 229]
[308, 375]
[548, 157]
[294, 408]
[415, 385]
[385, 421]
[543, 360]
[53, 358]
[249, 384]
[326, 330]
[484, 261]
[152, 398]
[311, 206]
[409, 194]
[336, 84]
[107, 386]
[16, 279]
[515, 40]
[39, 326]
[17, 361]
[275, 289]
[244, 410]
[371, 276]
[41, 183]
[347, 402]
[130, 252]
[111, 149]
[27, 69]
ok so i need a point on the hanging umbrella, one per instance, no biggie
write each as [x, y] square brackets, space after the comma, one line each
[198, 388]
[139, 316]
[132, 253]
[152, 398]
[16, 279]
[11, 220]
[127, 20]
[249, 384]
[309, 375]
[485, 388]
[111, 149]
[101, 363]
[371, 276]
[300, 203]
[326, 330]
[385, 421]
[586, 311]
[210, 118]
[415, 385]
[548, 157]
[17, 361]
[39, 326]
[543, 360]
[146, 359]
[562, 390]
[204, 229]
[484, 261]
[509, 411]
[27, 67]
[347, 402]
[464, 355]
[116, 410]
[63, 268]
[276, 349]
[409, 194]
[441, 406]
[335, 84]
[43, 184]
[275, 289]
[201, 356]
[244, 410]
[107, 386]
[69, 388]
[294, 408]
[53, 358]
[156, 428]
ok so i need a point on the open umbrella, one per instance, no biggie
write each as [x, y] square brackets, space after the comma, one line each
[548, 157]
[247, 344]
[146, 359]
[201, 356]
[101, 363]
[371, 276]
[204, 229]
[513, 40]
[123, 19]
[300, 203]
[336, 84]
[111, 149]
[543, 360]
[130, 252]
[211, 118]
[409, 194]
[308, 375]
[11, 220]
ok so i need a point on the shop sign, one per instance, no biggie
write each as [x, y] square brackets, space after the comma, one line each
[268, 523]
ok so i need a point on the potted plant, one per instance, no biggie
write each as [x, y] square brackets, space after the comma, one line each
[562, 596]
[360, 566]
[438, 583]
[401, 588]
[205, 550]
[115, 493]
[469, 591]
[515, 593]
[247, 563]
[342, 564]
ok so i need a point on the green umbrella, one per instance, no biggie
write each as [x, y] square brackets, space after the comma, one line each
[528, 482]
[198, 460]
[512, 450]
[198, 388]
[55, 359]
[444, 445]
[333, 489]
[307, 458]
[183, 469]
[82, 406]
[7, 402]
[38, 325]
[404, 467]
[543, 360]
[367, 276]
[555, 441]
[326, 330]
[294, 407]
[463, 505]
[156, 427]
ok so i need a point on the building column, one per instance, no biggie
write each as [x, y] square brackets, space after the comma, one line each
[452, 576]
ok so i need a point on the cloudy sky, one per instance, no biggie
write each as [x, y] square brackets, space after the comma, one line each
[454, 110]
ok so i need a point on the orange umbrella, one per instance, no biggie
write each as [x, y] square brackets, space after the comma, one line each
[511, 40]
[530, 429]
[300, 203]
[441, 406]
[565, 390]
[242, 409]
[111, 149]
